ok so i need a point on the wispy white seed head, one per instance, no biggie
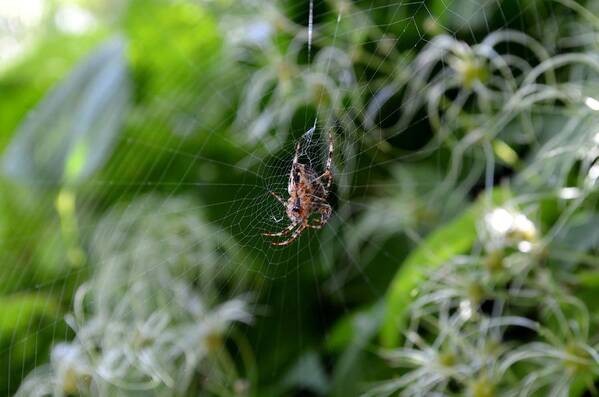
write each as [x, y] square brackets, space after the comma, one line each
[569, 193]
[507, 227]
[592, 103]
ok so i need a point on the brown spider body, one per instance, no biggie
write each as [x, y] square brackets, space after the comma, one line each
[308, 195]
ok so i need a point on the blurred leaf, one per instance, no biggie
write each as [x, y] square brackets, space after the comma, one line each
[32, 250]
[19, 310]
[72, 130]
[443, 244]
[460, 15]
[587, 284]
[183, 79]
[349, 327]
[589, 280]
[29, 324]
[175, 60]
[505, 153]
[76, 161]
[351, 335]
[23, 85]
[581, 233]
[308, 374]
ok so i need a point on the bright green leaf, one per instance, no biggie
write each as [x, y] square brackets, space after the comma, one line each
[19, 310]
[450, 240]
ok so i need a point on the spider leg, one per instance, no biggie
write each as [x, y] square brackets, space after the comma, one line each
[316, 225]
[325, 187]
[325, 211]
[329, 162]
[281, 200]
[318, 200]
[293, 237]
[328, 173]
[297, 152]
[284, 232]
[294, 174]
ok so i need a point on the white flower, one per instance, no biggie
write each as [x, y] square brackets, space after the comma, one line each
[504, 227]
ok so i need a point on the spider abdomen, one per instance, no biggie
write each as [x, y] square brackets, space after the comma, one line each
[299, 206]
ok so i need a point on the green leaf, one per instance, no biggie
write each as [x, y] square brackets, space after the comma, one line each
[19, 310]
[351, 335]
[308, 374]
[29, 324]
[22, 85]
[72, 130]
[180, 39]
[450, 240]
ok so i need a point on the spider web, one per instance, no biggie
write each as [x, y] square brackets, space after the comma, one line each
[386, 155]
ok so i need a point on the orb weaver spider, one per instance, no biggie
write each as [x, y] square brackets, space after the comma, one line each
[308, 194]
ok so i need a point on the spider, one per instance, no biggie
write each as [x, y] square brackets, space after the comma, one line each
[308, 195]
